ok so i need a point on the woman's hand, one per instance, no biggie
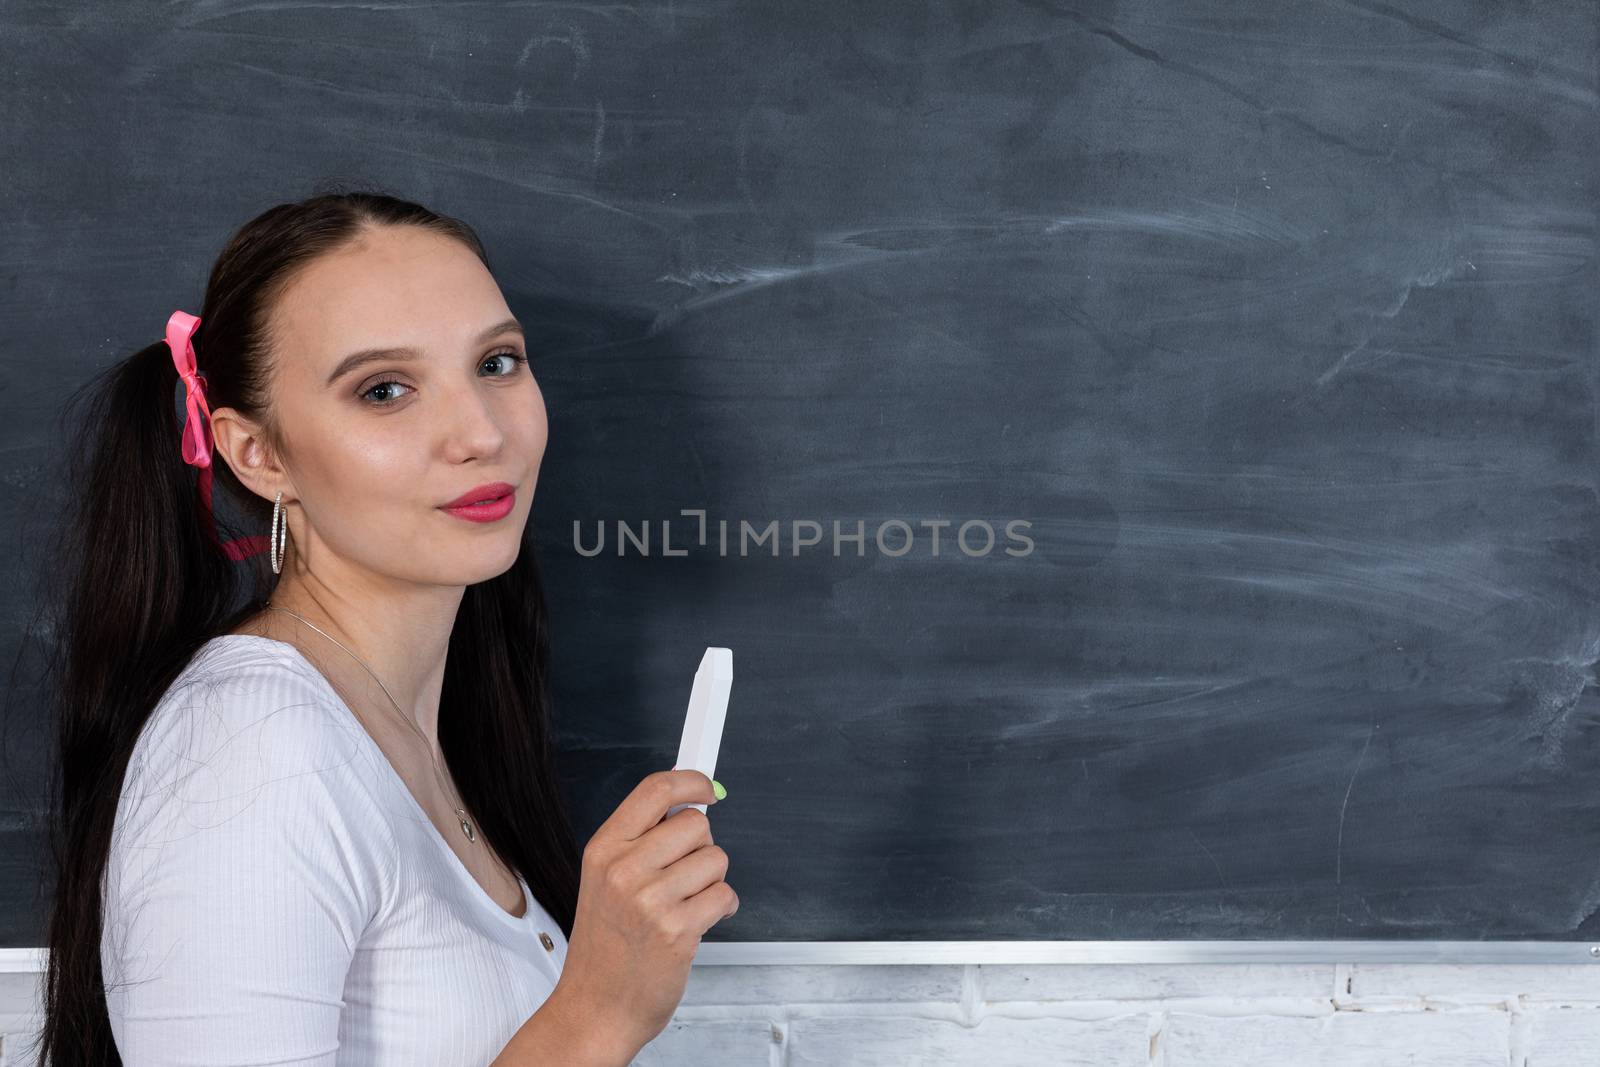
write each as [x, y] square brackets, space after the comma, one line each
[650, 887]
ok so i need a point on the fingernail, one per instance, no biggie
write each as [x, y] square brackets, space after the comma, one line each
[716, 787]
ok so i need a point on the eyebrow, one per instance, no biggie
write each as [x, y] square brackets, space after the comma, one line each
[373, 355]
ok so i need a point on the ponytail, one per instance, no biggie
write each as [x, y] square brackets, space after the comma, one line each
[139, 586]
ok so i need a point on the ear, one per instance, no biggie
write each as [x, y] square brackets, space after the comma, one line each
[241, 443]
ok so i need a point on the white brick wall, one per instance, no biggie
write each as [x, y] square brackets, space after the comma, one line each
[19, 1015]
[1178, 1015]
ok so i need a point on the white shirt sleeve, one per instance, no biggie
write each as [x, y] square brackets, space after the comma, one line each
[248, 856]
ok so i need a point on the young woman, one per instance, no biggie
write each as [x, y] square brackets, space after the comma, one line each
[308, 814]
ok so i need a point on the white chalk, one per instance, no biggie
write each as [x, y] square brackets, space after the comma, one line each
[702, 725]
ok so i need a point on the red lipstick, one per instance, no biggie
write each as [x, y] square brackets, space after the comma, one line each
[483, 503]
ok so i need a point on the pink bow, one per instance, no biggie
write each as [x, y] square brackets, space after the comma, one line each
[196, 438]
[197, 426]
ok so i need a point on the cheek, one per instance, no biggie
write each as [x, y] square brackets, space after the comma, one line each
[536, 423]
[538, 401]
[378, 469]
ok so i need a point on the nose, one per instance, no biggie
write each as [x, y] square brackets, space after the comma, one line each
[474, 425]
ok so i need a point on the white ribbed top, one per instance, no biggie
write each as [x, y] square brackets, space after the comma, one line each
[276, 895]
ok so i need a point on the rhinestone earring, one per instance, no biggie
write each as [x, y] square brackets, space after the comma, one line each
[280, 533]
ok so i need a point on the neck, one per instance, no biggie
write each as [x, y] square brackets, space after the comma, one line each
[403, 640]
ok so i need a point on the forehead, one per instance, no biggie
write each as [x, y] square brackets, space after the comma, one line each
[389, 287]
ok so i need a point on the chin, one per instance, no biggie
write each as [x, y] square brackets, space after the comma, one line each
[483, 564]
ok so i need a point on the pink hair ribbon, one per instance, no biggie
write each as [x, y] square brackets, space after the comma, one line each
[196, 438]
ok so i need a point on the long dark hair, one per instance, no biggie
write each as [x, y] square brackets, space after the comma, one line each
[140, 586]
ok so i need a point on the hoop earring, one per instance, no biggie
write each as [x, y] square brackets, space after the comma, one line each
[280, 533]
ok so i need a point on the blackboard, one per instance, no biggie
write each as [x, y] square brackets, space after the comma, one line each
[1260, 337]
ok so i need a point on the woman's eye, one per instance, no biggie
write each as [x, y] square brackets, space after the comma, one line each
[382, 385]
[512, 360]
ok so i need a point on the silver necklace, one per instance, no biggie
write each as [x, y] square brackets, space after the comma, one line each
[466, 823]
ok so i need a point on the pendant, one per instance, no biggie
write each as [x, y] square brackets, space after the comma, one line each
[466, 827]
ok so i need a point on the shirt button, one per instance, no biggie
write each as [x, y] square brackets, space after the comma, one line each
[544, 939]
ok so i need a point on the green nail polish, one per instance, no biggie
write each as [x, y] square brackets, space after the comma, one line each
[716, 787]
